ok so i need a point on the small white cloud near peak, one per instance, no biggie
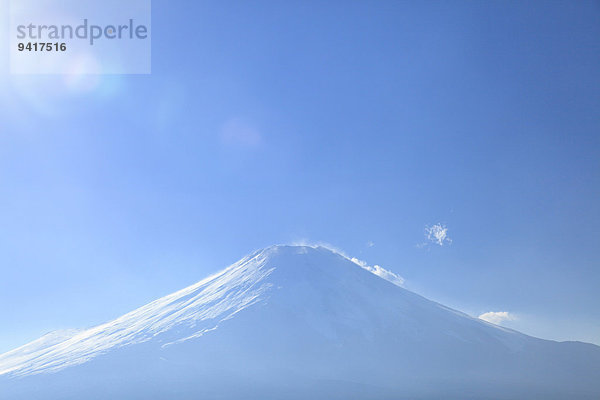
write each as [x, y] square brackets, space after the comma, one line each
[497, 317]
[376, 269]
[380, 272]
[437, 234]
[370, 243]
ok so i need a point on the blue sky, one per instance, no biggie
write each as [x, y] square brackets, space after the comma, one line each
[357, 124]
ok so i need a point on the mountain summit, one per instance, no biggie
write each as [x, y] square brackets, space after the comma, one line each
[297, 322]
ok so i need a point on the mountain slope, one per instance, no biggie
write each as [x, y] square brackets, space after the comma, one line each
[298, 322]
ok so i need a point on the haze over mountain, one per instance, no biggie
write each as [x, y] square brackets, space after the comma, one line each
[298, 322]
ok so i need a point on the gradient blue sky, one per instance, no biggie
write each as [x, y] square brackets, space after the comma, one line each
[352, 123]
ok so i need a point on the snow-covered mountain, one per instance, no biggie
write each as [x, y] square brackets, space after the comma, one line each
[298, 322]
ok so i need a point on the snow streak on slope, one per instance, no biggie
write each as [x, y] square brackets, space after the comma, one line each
[212, 300]
[31, 350]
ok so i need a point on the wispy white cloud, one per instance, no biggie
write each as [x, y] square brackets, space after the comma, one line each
[312, 243]
[380, 272]
[437, 234]
[370, 243]
[375, 269]
[497, 317]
